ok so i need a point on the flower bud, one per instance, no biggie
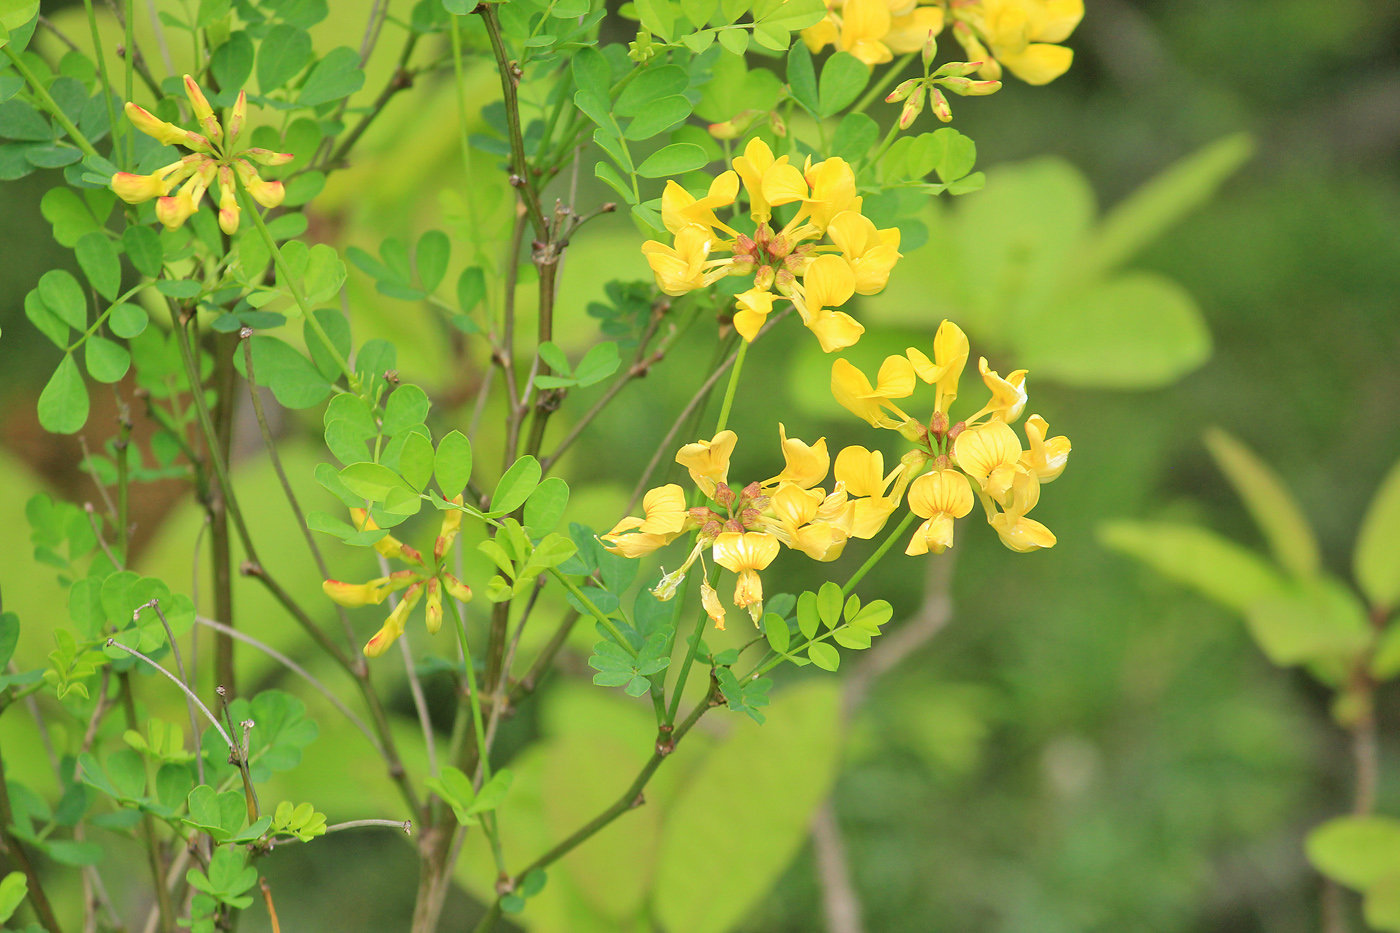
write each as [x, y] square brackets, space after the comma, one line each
[406, 553]
[456, 588]
[763, 278]
[268, 157]
[956, 429]
[355, 595]
[228, 202]
[777, 124]
[203, 113]
[712, 528]
[433, 607]
[966, 87]
[751, 491]
[724, 495]
[912, 108]
[237, 117]
[134, 189]
[749, 516]
[167, 134]
[779, 247]
[957, 69]
[939, 105]
[902, 90]
[267, 193]
[734, 524]
[783, 282]
[930, 49]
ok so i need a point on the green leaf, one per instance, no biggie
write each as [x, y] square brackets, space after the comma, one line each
[592, 72]
[1314, 620]
[658, 16]
[471, 288]
[855, 136]
[127, 320]
[735, 41]
[97, 257]
[371, 481]
[795, 14]
[144, 249]
[800, 748]
[1376, 561]
[453, 463]
[1138, 331]
[675, 159]
[1382, 904]
[608, 175]
[555, 358]
[853, 638]
[63, 405]
[64, 297]
[546, 505]
[492, 792]
[282, 55]
[15, 886]
[775, 629]
[1150, 210]
[802, 78]
[407, 406]
[1357, 851]
[48, 323]
[106, 361]
[1214, 566]
[1270, 503]
[127, 771]
[416, 461]
[434, 249]
[807, 618]
[824, 656]
[829, 601]
[294, 380]
[843, 78]
[9, 636]
[173, 784]
[325, 273]
[596, 108]
[335, 76]
[871, 616]
[232, 63]
[600, 362]
[337, 330]
[515, 486]
[658, 117]
[16, 13]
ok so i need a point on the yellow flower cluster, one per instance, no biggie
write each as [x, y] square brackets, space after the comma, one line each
[745, 529]
[979, 454]
[874, 31]
[422, 580]
[215, 156]
[816, 278]
[1018, 34]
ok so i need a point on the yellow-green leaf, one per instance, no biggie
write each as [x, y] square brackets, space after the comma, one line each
[1270, 503]
[1377, 558]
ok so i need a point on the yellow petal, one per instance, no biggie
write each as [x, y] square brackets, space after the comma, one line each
[804, 464]
[909, 32]
[708, 461]
[738, 551]
[829, 282]
[935, 534]
[1039, 63]
[835, 330]
[940, 492]
[1022, 534]
[984, 448]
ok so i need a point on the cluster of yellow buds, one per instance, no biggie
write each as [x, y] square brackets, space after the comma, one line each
[951, 461]
[216, 156]
[423, 580]
[874, 31]
[744, 529]
[953, 76]
[788, 263]
[1017, 34]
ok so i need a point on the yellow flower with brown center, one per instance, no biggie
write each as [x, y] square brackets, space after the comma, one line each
[938, 497]
[217, 156]
[746, 553]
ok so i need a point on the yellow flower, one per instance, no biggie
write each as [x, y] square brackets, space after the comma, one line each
[746, 553]
[1017, 532]
[394, 625]
[680, 269]
[863, 24]
[833, 191]
[708, 461]
[754, 307]
[388, 546]
[1021, 35]
[681, 209]
[666, 519]
[1008, 395]
[855, 393]
[829, 283]
[871, 253]
[804, 464]
[754, 167]
[355, 595]
[938, 497]
[709, 599]
[862, 473]
[909, 31]
[989, 453]
[950, 351]
[216, 156]
[1045, 458]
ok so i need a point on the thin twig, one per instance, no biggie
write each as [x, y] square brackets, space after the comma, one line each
[840, 902]
[48, 24]
[15, 850]
[405, 825]
[415, 687]
[113, 643]
[498, 697]
[297, 669]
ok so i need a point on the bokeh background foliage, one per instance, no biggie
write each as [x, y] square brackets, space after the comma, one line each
[1084, 746]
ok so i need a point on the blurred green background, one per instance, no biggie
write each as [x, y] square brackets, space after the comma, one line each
[1083, 747]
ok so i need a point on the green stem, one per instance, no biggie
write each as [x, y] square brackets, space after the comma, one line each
[483, 756]
[593, 610]
[520, 166]
[691, 651]
[732, 388]
[102, 72]
[283, 270]
[878, 89]
[48, 102]
[880, 552]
